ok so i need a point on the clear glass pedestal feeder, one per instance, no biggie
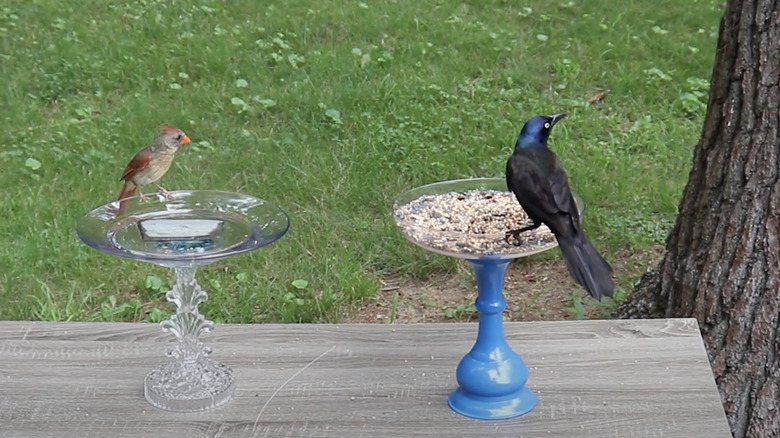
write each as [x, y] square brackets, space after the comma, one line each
[491, 377]
[183, 231]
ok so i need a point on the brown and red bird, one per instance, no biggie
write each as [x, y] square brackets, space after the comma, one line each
[151, 163]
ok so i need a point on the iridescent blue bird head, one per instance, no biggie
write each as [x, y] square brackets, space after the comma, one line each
[536, 131]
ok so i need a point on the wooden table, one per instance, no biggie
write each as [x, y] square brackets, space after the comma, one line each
[632, 378]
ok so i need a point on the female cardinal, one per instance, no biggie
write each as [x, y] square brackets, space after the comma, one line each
[151, 163]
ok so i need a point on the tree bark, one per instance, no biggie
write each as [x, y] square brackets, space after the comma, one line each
[722, 260]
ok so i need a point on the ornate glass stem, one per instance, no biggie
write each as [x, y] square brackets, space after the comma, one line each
[192, 381]
[187, 324]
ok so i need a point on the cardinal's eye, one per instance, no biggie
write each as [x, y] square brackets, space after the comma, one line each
[547, 125]
[178, 137]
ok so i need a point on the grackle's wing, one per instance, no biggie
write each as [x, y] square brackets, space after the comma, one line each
[559, 186]
[541, 186]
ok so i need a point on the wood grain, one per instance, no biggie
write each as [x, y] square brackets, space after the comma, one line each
[633, 378]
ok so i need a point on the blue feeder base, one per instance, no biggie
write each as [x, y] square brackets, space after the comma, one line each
[492, 408]
[491, 376]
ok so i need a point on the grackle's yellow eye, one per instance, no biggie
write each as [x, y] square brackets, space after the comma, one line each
[547, 125]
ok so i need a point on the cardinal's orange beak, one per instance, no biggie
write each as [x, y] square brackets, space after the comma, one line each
[185, 140]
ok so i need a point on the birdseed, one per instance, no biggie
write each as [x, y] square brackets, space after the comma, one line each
[470, 222]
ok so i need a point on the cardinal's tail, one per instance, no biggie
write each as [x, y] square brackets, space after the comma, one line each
[128, 190]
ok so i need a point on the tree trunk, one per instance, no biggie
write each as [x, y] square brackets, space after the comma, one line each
[722, 261]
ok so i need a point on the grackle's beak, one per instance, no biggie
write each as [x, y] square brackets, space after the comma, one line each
[555, 118]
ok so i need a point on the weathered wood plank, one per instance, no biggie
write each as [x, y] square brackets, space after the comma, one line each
[593, 379]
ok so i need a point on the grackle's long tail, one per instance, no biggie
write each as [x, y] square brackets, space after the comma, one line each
[586, 265]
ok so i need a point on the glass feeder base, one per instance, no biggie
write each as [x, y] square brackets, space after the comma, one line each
[492, 408]
[189, 386]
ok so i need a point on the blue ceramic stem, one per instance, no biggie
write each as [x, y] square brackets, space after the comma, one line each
[491, 376]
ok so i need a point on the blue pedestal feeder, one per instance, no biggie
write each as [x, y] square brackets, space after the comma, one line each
[491, 376]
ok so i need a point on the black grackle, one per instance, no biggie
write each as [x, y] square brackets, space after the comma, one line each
[534, 174]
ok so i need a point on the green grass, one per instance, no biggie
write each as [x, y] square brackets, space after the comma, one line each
[328, 109]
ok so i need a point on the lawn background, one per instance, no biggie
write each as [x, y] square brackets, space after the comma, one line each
[328, 109]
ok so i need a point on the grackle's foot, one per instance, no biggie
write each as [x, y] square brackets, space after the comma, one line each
[515, 234]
